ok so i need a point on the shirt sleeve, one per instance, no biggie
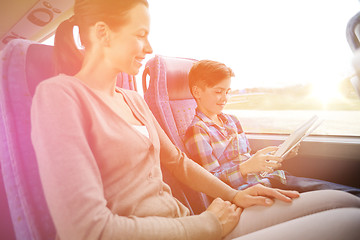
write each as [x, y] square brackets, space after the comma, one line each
[72, 182]
[198, 144]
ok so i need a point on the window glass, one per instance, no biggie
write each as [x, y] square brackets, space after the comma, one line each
[291, 58]
[49, 40]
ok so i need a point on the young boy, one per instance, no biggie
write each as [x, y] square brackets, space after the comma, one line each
[217, 141]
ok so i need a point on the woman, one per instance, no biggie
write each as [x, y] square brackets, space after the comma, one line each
[99, 147]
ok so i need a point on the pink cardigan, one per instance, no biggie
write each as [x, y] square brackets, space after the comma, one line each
[102, 178]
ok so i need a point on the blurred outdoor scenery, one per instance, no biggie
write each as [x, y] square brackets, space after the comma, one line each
[281, 110]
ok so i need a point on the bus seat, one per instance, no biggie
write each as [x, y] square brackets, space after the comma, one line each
[168, 95]
[353, 32]
[23, 65]
[353, 38]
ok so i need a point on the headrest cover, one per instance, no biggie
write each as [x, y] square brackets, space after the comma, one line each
[177, 71]
[39, 64]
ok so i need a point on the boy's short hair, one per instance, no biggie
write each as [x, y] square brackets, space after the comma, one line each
[208, 73]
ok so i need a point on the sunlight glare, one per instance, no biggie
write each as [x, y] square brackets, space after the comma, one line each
[326, 92]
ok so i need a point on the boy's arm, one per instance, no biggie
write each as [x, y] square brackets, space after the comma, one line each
[198, 144]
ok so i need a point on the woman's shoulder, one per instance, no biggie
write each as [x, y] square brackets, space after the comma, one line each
[59, 81]
[60, 84]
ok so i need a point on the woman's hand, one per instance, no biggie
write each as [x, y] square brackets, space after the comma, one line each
[261, 195]
[262, 161]
[227, 213]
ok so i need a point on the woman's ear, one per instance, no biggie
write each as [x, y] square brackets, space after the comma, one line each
[102, 32]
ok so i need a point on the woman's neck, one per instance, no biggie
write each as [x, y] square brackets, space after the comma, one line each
[97, 75]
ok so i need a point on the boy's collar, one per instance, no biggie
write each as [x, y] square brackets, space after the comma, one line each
[206, 119]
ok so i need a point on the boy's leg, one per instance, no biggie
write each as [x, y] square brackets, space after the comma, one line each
[302, 184]
[259, 217]
[341, 223]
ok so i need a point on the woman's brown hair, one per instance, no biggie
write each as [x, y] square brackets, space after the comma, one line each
[68, 57]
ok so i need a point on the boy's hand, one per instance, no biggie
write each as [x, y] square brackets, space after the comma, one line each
[294, 152]
[262, 161]
[227, 213]
[261, 195]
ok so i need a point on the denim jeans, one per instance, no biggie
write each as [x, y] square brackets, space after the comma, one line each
[302, 184]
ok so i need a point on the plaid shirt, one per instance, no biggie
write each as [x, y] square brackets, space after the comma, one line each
[220, 150]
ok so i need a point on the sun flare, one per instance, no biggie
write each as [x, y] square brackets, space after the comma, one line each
[326, 92]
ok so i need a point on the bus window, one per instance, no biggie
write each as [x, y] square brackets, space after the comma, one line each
[291, 58]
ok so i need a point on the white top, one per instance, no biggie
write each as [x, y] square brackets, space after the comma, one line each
[142, 129]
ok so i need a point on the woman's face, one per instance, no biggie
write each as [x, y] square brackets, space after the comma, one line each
[128, 45]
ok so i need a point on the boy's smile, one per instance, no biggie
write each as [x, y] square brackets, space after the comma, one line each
[212, 100]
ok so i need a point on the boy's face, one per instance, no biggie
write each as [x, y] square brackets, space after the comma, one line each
[211, 100]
